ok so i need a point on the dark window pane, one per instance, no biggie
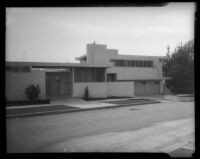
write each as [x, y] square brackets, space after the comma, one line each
[141, 63]
[111, 77]
[156, 82]
[145, 63]
[14, 69]
[129, 63]
[133, 63]
[8, 68]
[137, 63]
[100, 73]
[143, 82]
[151, 63]
[78, 75]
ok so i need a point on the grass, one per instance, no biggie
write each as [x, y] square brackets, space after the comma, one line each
[93, 99]
[38, 109]
[129, 101]
[27, 102]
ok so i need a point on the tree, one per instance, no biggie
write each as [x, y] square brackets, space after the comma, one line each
[180, 66]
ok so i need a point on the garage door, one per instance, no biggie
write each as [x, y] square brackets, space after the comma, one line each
[153, 87]
[140, 87]
[146, 87]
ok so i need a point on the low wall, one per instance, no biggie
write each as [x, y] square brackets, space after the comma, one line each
[17, 82]
[120, 89]
[96, 89]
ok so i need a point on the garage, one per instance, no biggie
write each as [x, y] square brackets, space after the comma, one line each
[146, 87]
[153, 87]
[140, 87]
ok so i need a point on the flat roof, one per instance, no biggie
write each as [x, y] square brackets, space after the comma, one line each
[145, 79]
[56, 65]
[136, 57]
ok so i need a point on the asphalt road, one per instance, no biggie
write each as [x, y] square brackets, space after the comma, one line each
[36, 134]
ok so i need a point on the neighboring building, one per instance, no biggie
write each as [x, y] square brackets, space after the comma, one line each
[104, 71]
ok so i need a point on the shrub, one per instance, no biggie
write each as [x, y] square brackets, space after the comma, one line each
[86, 92]
[32, 92]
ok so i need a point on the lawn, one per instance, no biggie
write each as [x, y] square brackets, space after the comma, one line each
[38, 109]
[130, 101]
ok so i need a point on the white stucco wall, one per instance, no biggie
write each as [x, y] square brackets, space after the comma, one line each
[99, 53]
[120, 89]
[96, 89]
[128, 73]
[17, 82]
[162, 83]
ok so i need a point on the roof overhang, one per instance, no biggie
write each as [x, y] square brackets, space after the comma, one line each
[57, 65]
[143, 79]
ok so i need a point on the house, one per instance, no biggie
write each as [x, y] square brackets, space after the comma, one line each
[103, 70]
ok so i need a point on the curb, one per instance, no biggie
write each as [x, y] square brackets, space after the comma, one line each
[75, 110]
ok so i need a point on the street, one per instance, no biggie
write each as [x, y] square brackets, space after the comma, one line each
[43, 133]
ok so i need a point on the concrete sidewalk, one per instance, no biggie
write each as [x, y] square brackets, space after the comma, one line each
[79, 104]
[72, 105]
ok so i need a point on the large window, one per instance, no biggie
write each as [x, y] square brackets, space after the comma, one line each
[18, 68]
[132, 63]
[89, 74]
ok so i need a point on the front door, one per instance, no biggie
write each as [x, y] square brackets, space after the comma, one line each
[58, 83]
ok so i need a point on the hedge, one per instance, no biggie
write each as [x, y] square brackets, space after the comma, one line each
[27, 102]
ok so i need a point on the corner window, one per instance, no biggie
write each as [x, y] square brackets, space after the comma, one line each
[18, 68]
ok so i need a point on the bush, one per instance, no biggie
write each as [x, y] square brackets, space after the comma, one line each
[32, 92]
[27, 102]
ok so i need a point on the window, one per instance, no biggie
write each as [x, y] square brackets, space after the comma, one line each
[132, 63]
[100, 74]
[89, 74]
[143, 82]
[156, 82]
[18, 68]
[137, 63]
[141, 63]
[145, 63]
[111, 77]
[121, 63]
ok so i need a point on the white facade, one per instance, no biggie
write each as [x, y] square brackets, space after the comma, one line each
[16, 82]
[105, 72]
[151, 77]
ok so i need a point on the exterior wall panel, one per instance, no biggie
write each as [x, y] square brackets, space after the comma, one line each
[130, 73]
[120, 89]
[96, 89]
[153, 87]
[139, 88]
[17, 82]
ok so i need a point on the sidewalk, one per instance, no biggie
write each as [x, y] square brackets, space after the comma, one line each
[78, 104]
[70, 105]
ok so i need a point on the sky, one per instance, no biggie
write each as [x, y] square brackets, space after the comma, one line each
[60, 34]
